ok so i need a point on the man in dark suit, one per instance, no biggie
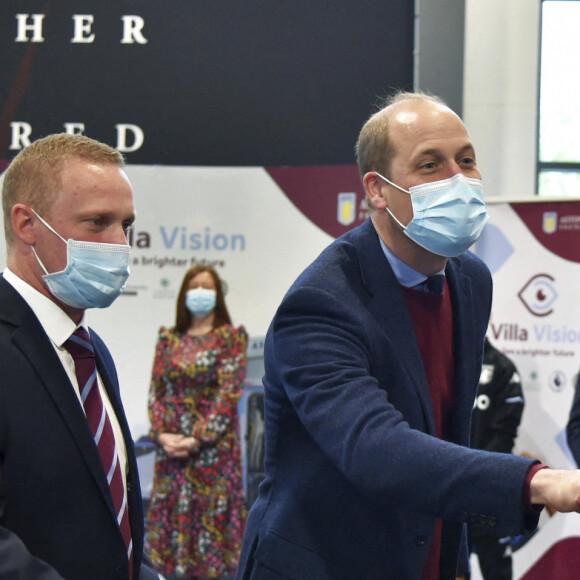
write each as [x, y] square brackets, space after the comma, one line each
[371, 366]
[67, 206]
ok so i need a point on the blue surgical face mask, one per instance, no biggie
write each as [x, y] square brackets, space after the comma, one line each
[95, 274]
[200, 301]
[448, 215]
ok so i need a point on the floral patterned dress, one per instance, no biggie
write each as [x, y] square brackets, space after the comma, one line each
[197, 512]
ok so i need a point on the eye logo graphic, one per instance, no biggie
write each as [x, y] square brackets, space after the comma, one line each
[538, 295]
[346, 210]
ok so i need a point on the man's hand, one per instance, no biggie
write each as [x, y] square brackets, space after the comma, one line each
[556, 488]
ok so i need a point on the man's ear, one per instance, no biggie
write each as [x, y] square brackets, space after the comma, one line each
[374, 186]
[23, 224]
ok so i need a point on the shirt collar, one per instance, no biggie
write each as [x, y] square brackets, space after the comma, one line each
[405, 275]
[56, 323]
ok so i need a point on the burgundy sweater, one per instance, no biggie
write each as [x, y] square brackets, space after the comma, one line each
[433, 322]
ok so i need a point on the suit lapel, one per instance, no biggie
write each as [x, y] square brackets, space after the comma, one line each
[388, 307]
[29, 337]
[463, 338]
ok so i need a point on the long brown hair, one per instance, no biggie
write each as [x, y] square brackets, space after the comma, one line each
[183, 316]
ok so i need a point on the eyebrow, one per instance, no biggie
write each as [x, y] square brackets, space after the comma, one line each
[437, 152]
[106, 215]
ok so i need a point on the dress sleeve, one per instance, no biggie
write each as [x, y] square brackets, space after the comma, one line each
[231, 375]
[158, 408]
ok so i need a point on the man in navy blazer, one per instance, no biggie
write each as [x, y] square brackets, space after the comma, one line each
[57, 517]
[371, 374]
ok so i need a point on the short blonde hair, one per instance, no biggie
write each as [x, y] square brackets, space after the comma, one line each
[34, 175]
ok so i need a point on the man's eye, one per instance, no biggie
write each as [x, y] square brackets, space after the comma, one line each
[128, 230]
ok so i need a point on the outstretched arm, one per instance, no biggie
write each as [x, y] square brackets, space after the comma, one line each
[556, 488]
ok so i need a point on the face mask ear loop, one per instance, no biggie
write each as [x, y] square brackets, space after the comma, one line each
[38, 260]
[393, 184]
[400, 189]
[53, 231]
[48, 226]
[393, 216]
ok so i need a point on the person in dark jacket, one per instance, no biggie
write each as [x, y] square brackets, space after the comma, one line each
[372, 363]
[497, 414]
[70, 499]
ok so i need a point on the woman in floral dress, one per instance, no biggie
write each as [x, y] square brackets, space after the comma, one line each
[197, 512]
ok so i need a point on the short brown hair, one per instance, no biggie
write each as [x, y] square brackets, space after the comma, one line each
[34, 175]
[374, 148]
[183, 316]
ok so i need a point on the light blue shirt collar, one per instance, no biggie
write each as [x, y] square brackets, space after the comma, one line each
[405, 275]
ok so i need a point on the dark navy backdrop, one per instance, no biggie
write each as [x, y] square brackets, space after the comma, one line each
[218, 82]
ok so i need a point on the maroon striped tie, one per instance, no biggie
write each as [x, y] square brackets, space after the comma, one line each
[81, 349]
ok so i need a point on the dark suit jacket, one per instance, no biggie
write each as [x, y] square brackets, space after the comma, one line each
[354, 476]
[56, 513]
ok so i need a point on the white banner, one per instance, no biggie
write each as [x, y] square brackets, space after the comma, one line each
[237, 220]
[533, 252]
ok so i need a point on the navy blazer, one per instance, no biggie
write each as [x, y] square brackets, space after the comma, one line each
[355, 478]
[57, 517]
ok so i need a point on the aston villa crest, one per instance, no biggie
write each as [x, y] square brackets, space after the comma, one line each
[346, 209]
[550, 222]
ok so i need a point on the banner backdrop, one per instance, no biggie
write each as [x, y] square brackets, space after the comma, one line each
[533, 252]
[257, 235]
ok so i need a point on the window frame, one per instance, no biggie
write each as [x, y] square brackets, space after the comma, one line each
[543, 167]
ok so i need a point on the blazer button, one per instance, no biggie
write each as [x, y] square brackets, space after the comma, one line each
[420, 540]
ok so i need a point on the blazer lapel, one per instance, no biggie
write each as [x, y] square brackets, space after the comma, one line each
[389, 309]
[29, 337]
[465, 372]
